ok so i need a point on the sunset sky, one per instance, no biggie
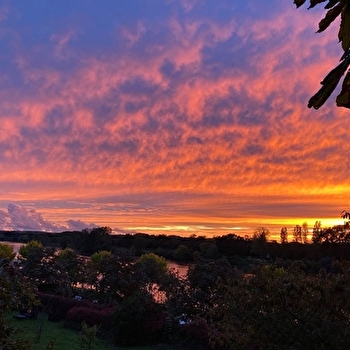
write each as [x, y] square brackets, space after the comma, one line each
[168, 116]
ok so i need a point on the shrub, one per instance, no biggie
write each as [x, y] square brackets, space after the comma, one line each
[90, 315]
[57, 307]
[138, 321]
[87, 337]
[195, 333]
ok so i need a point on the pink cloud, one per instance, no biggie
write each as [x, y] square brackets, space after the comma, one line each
[62, 40]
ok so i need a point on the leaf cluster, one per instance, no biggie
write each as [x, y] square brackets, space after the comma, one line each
[335, 9]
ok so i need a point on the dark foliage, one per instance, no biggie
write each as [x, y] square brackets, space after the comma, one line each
[90, 315]
[138, 321]
[195, 335]
[336, 9]
[57, 306]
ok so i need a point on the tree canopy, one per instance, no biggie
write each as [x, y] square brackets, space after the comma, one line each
[335, 9]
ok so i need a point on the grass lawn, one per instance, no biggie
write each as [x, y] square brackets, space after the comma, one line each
[62, 338]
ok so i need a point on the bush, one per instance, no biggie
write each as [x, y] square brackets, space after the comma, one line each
[90, 315]
[57, 307]
[195, 334]
[182, 253]
[138, 321]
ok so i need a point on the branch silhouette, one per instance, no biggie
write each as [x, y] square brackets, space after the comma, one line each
[335, 9]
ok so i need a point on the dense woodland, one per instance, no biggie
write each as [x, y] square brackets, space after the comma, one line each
[239, 293]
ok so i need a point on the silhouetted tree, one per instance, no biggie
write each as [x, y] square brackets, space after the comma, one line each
[204, 278]
[297, 234]
[284, 235]
[69, 261]
[316, 232]
[96, 239]
[260, 237]
[182, 253]
[41, 268]
[118, 280]
[304, 232]
[346, 216]
[338, 234]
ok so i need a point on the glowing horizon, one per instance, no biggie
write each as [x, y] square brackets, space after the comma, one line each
[182, 117]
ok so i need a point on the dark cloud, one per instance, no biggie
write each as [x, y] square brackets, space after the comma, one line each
[194, 140]
[135, 106]
[169, 70]
[119, 147]
[138, 87]
[151, 125]
[253, 149]
[78, 225]
[251, 117]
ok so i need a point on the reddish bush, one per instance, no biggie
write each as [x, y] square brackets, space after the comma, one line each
[91, 316]
[57, 307]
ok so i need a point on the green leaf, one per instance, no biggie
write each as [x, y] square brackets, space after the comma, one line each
[331, 15]
[343, 99]
[298, 3]
[313, 3]
[331, 3]
[344, 30]
[329, 83]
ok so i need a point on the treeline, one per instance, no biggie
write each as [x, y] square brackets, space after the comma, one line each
[333, 242]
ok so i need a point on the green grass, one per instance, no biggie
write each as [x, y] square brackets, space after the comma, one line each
[63, 338]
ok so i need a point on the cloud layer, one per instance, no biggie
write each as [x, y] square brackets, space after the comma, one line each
[178, 114]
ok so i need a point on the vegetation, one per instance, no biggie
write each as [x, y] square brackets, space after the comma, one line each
[52, 335]
[335, 9]
[238, 293]
[6, 252]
